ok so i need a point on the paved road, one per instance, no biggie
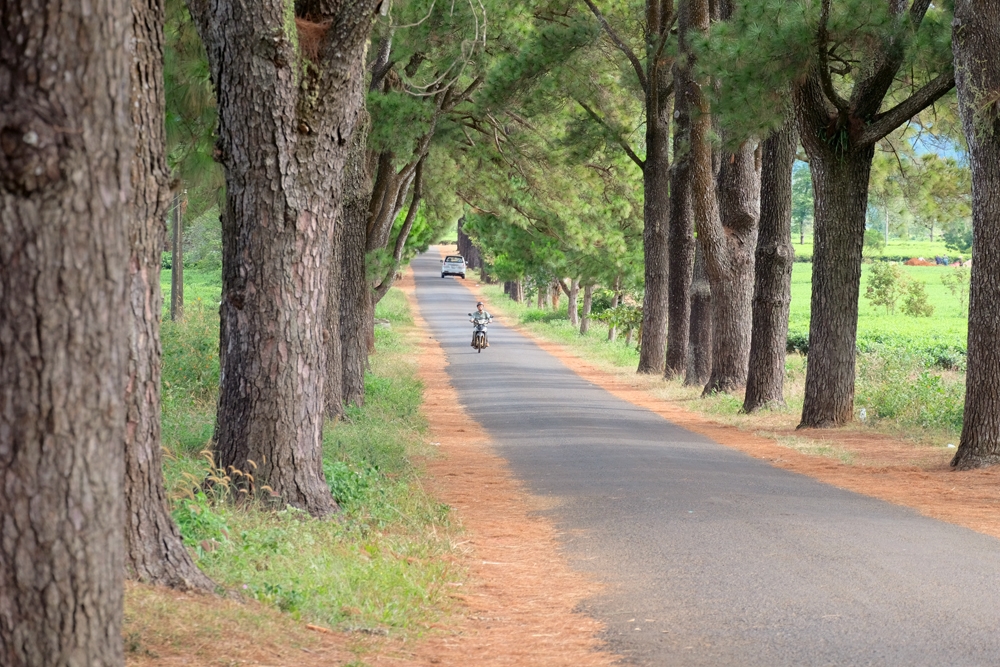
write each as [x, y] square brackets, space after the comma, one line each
[711, 557]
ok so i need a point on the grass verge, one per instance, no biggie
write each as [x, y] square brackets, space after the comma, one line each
[381, 566]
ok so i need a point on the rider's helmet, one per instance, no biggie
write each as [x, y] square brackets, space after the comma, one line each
[479, 303]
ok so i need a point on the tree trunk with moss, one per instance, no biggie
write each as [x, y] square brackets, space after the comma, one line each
[289, 89]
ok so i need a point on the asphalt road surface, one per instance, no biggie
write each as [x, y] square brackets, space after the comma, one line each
[711, 557]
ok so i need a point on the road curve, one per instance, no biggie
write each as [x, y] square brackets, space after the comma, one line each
[711, 557]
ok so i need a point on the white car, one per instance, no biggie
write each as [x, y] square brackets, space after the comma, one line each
[453, 265]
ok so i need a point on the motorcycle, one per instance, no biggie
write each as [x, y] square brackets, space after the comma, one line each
[479, 333]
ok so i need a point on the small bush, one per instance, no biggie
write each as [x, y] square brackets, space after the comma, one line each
[898, 387]
[874, 241]
[915, 301]
[884, 285]
[797, 341]
[957, 282]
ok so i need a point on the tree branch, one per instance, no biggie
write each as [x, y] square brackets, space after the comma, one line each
[622, 46]
[885, 123]
[382, 64]
[869, 93]
[822, 47]
[663, 37]
[621, 142]
[465, 94]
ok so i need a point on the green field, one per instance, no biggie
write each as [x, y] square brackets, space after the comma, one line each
[942, 334]
[895, 249]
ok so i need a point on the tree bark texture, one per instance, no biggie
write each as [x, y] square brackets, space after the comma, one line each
[680, 234]
[154, 550]
[839, 136]
[772, 273]
[284, 131]
[729, 261]
[975, 44]
[656, 193]
[333, 345]
[588, 302]
[354, 287]
[66, 146]
[699, 361]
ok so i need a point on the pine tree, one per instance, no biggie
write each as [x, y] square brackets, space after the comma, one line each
[976, 44]
[154, 551]
[289, 83]
[66, 147]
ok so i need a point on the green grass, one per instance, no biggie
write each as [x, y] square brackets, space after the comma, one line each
[941, 338]
[380, 565]
[895, 248]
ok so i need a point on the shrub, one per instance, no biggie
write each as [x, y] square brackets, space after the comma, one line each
[957, 282]
[915, 299]
[874, 241]
[898, 387]
[884, 285]
[203, 241]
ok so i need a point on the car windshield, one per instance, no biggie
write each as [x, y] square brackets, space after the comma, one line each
[453, 258]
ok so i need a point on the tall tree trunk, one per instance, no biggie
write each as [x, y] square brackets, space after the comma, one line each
[345, 359]
[554, 294]
[656, 195]
[354, 290]
[400, 244]
[616, 298]
[681, 241]
[573, 307]
[588, 302]
[154, 550]
[699, 361]
[773, 273]
[840, 182]
[353, 295]
[727, 230]
[976, 43]
[467, 249]
[332, 343]
[285, 126]
[839, 135]
[66, 146]
[543, 295]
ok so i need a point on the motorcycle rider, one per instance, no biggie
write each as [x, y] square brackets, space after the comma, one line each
[480, 317]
